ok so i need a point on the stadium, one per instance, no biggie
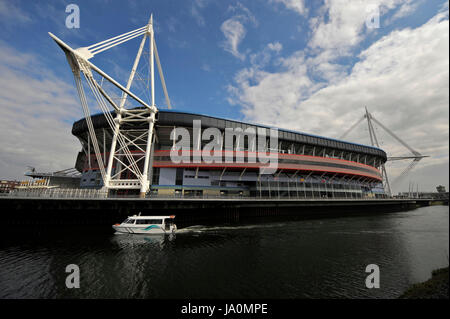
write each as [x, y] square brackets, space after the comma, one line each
[308, 166]
[129, 148]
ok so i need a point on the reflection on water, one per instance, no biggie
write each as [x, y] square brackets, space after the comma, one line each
[135, 240]
[277, 259]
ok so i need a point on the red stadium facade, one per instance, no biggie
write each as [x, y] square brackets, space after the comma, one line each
[307, 166]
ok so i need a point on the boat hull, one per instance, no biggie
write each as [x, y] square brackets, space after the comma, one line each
[148, 230]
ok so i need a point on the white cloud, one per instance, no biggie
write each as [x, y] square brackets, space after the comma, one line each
[275, 46]
[11, 14]
[172, 24]
[296, 5]
[37, 114]
[344, 25]
[406, 9]
[234, 31]
[206, 67]
[261, 59]
[403, 79]
[242, 13]
[196, 7]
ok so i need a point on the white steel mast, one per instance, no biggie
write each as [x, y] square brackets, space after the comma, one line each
[416, 156]
[129, 157]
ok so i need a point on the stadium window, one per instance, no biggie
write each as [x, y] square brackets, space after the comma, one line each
[179, 176]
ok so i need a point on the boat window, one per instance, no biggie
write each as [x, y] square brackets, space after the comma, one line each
[149, 221]
[129, 221]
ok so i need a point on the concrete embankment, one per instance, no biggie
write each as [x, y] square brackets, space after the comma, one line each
[58, 211]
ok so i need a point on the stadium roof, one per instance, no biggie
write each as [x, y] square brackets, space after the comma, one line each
[265, 126]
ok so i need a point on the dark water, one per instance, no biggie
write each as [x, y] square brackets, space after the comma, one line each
[282, 259]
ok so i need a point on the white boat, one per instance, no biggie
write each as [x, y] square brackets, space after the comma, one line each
[138, 224]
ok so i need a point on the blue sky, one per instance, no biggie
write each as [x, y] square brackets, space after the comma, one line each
[289, 63]
[189, 38]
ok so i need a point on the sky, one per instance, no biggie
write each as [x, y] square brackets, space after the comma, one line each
[310, 66]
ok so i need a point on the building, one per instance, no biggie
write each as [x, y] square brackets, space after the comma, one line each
[441, 194]
[308, 166]
[440, 189]
[67, 178]
[8, 186]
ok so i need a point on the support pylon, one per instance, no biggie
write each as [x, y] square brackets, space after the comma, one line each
[133, 123]
[416, 156]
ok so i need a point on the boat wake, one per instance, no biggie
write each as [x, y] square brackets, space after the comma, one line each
[204, 228]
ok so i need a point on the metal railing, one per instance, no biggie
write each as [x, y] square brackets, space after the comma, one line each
[78, 193]
[246, 197]
[60, 193]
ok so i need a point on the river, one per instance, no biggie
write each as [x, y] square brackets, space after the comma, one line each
[309, 258]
